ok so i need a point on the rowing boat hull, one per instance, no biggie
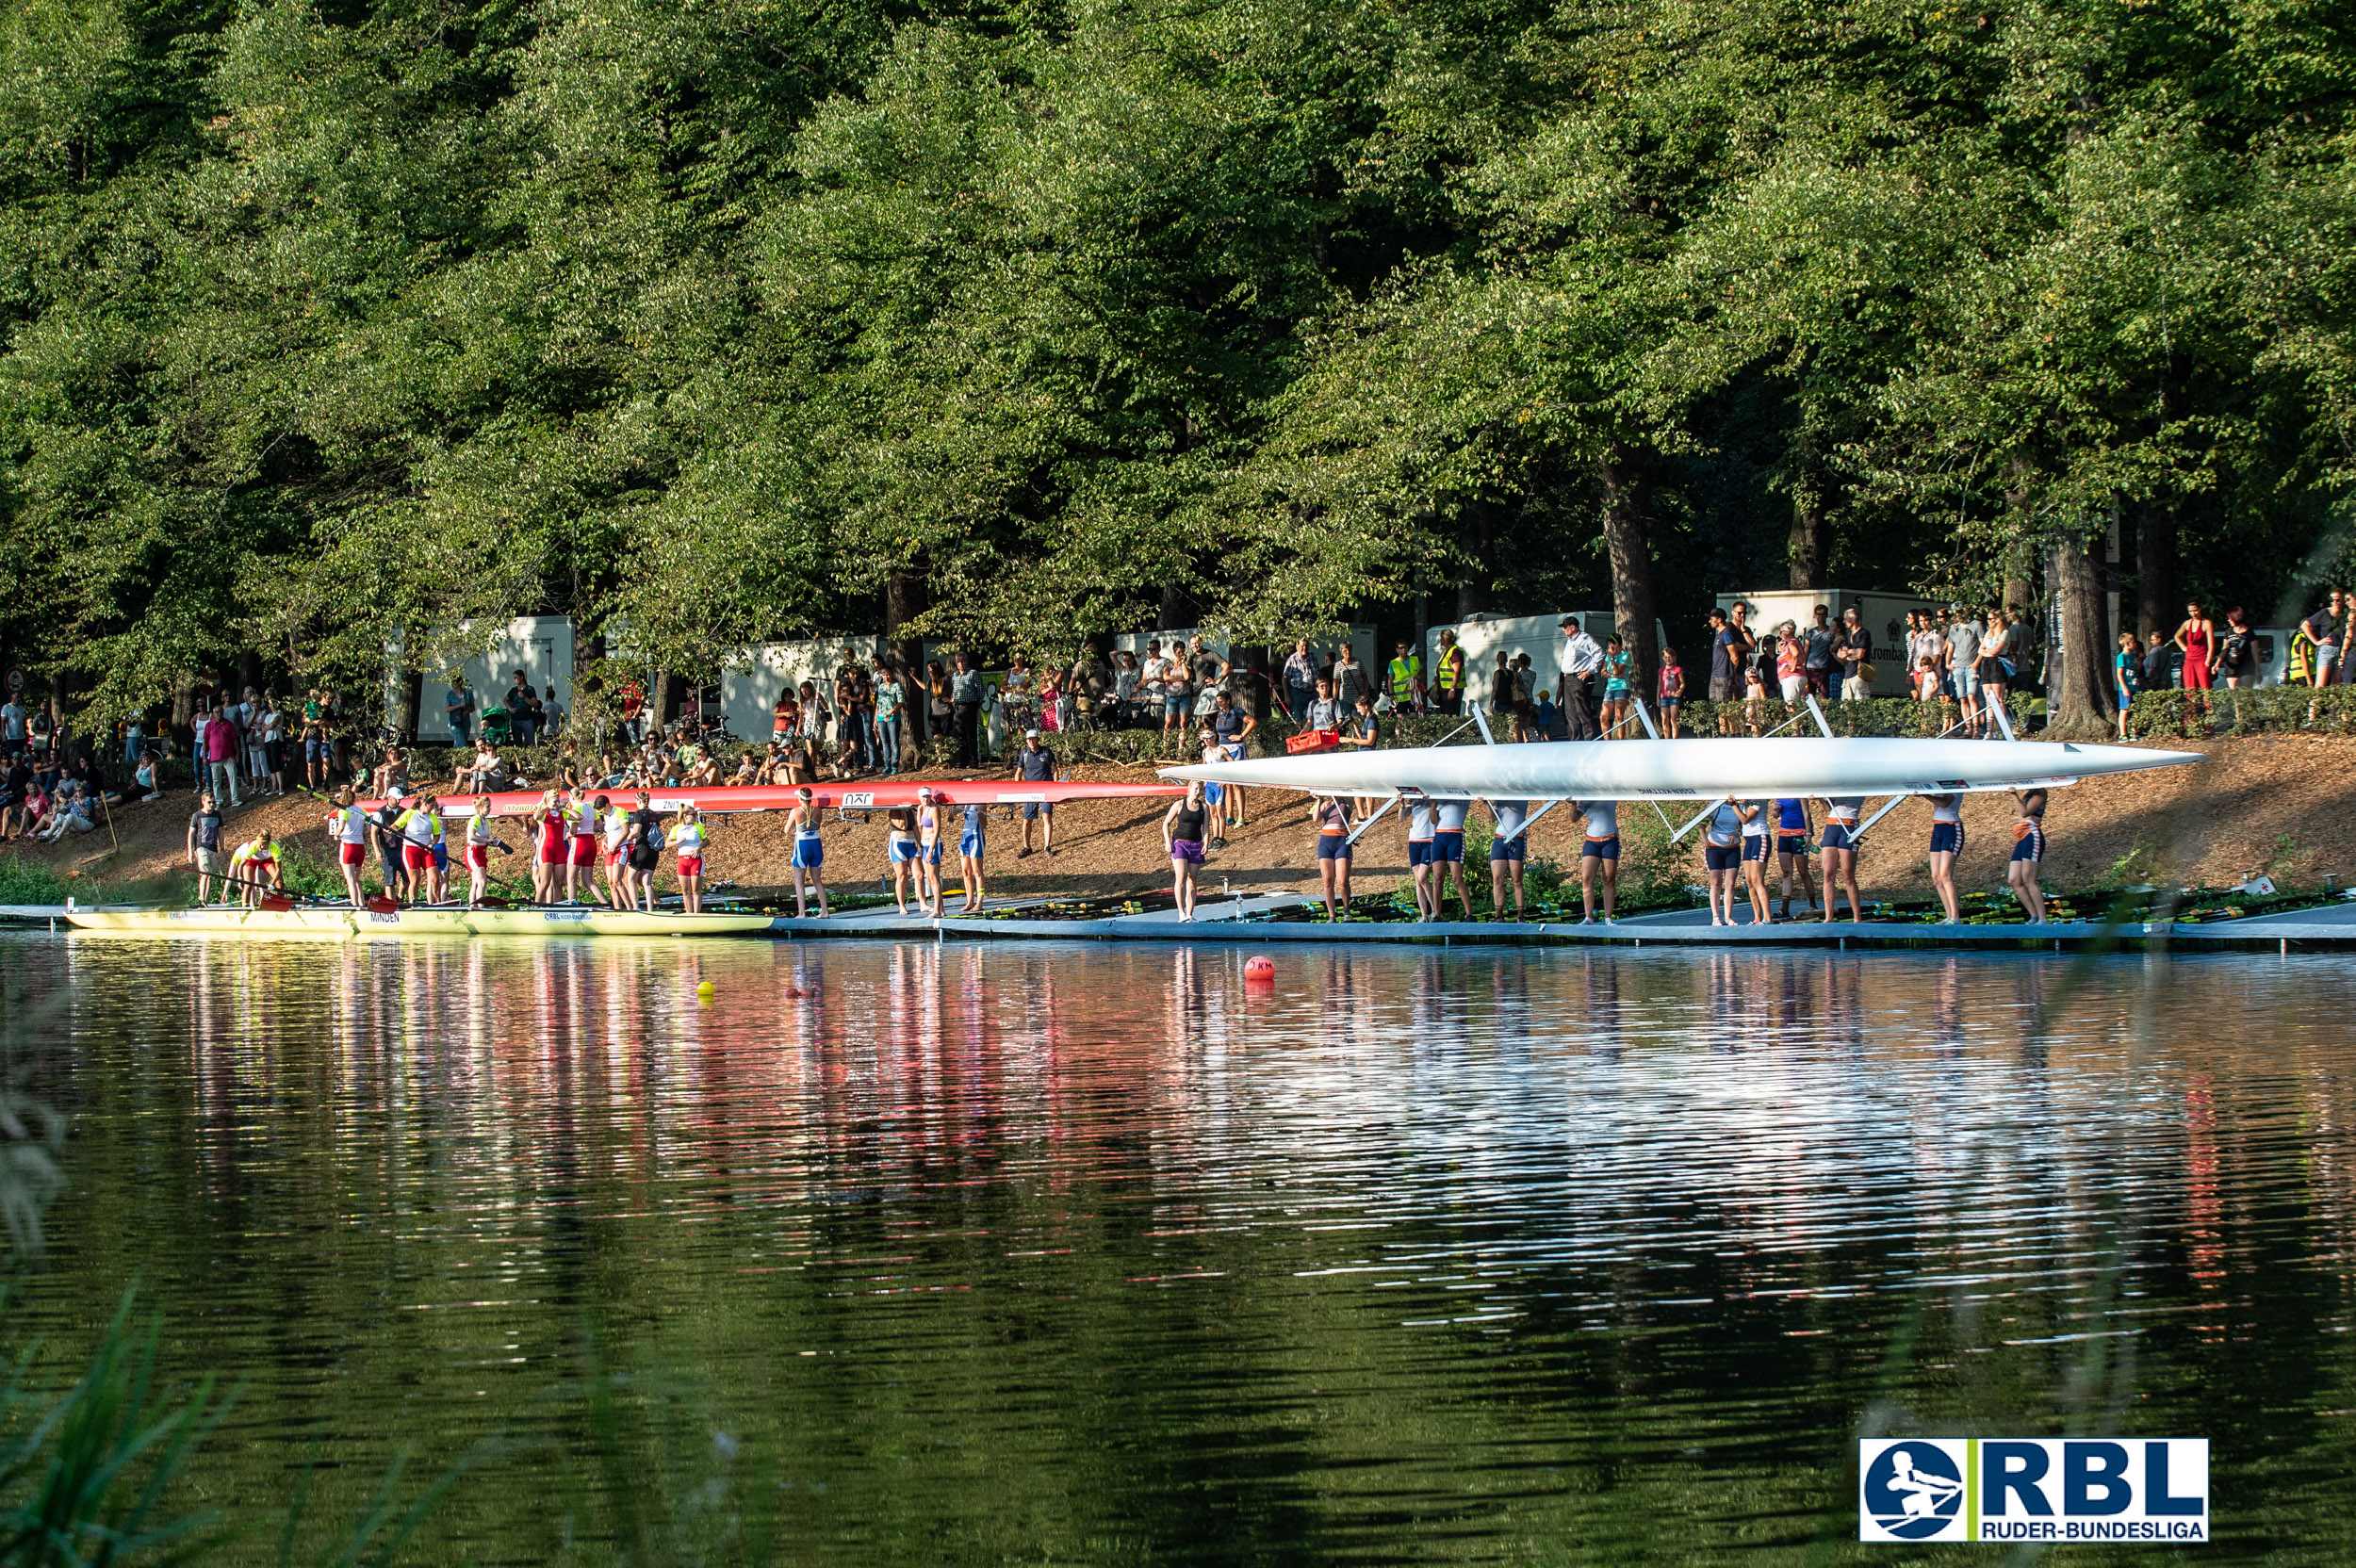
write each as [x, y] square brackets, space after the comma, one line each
[830, 797]
[1702, 769]
[343, 924]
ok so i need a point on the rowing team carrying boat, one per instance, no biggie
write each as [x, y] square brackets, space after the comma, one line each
[1741, 781]
[578, 838]
[1754, 792]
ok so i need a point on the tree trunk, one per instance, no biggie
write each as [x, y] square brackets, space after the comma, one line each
[1809, 549]
[412, 703]
[1628, 535]
[905, 599]
[2155, 571]
[1476, 574]
[1173, 614]
[1254, 693]
[249, 672]
[2078, 684]
[659, 700]
[2020, 573]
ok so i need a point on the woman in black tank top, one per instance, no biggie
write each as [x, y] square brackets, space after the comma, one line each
[1182, 837]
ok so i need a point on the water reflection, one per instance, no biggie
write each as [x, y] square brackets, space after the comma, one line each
[1047, 1245]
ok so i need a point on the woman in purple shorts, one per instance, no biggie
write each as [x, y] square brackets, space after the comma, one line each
[1182, 837]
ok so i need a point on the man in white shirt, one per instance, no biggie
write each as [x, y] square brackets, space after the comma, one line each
[1582, 656]
[11, 726]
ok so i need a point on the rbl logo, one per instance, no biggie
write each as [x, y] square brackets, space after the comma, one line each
[2057, 1489]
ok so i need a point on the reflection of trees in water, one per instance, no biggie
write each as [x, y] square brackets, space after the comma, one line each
[1108, 1207]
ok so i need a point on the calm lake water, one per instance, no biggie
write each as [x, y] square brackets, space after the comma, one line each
[1097, 1253]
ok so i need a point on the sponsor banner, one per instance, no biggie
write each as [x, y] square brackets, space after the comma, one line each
[2033, 1489]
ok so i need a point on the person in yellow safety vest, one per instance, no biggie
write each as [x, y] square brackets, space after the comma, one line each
[1406, 679]
[420, 829]
[253, 866]
[1447, 679]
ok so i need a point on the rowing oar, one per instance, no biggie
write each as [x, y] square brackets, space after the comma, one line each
[278, 899]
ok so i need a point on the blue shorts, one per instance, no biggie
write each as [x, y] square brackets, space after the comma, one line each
[810, 852]
[1721, 856]
[1669, 702]
[903, 851]
[969, 845]
[1515, 848]
[932, 856]
[1946, 838]
[2030, 846]
[1173, 707]
[1792, 843]
[1966, 679]
[1419, 852]
[1448, 846]
[314, 751]
[1214, 793]
[441, 856]
[1754, 848]
[1836, 835]
[1334, 846]
[1600, 849]
[1034, 809]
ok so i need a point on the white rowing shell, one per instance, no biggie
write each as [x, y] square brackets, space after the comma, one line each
[1699, 769]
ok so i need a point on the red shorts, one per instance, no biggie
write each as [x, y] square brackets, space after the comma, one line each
[584, 849]
[691, 865]
[2197, 674]
[353, 854]
[417, 857]
[551, 850]
[478, 857]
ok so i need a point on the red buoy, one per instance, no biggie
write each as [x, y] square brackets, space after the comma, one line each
[1259, 967]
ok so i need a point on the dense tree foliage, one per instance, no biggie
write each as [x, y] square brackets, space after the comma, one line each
[336, 323]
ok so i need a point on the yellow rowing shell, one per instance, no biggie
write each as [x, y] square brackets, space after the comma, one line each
[338, 923]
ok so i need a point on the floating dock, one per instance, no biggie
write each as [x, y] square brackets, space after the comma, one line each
[2328, 929]
[1229, 919]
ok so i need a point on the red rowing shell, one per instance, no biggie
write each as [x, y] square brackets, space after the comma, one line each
[850, 798]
